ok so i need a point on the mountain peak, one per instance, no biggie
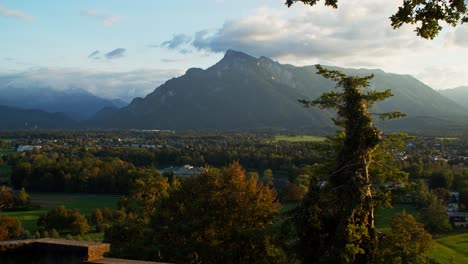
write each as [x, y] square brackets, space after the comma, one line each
[237, 55]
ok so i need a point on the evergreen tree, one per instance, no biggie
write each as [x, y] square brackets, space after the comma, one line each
[337, 224]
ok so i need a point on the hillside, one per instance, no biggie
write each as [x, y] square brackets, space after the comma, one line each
[244, 92]
[16, 118]
[459, 95]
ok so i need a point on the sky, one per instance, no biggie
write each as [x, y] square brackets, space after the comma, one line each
[123, 48]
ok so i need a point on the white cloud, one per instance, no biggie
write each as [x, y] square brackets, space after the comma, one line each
[357, 34]
[355, 29]
[105, 17]
[460, 36]
[444, 77]
[5, 11]
[112, 85]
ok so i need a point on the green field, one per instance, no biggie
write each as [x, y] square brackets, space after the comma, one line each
[451, 249]
[384, 215]
[302, 138]
[448, 247]
[6, 151]
[84, 202]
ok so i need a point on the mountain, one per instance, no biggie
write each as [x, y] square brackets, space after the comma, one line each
[459, 95]
[76, 103]
[16, 118]
[244, 92]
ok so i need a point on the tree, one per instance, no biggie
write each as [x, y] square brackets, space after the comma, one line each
[218, 217]
[427, 14]
[6, 197]
[338, 222]
[79, 223]
[407, 242]
[146, 191]
[64, 220]
[9, 228]
[435, 217]
[22, 198]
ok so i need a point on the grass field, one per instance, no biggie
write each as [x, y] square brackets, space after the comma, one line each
[84, 202]
[384, 215]
[302, 138]
[6, 151]
[447, 138]
[451, 249]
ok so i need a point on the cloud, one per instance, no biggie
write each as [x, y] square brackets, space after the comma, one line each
[460, 36]
[444, 77]
[112, 85]
[356, 30]
[172, 60]
[115, 54]
[5, 11]
[94, 55]
[105, 17]
[177, 41]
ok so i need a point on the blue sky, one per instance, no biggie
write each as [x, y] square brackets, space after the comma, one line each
[126, 48]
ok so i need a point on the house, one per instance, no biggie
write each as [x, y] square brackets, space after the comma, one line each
[186, 170]
[458, 219]
[26, 148]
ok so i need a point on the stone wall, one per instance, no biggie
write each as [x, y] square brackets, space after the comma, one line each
[57, 251]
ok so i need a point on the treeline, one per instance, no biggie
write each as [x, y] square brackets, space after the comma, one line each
[73, 172]
[110, 169]
[251, 154]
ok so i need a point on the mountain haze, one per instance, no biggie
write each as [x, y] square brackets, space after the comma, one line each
[76, 103]
[244, 92]
[459, 95]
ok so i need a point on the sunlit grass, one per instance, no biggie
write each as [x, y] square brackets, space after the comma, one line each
[86, 203]
[451, 249]
[300, 138]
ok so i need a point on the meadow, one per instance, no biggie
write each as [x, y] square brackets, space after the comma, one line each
[452, 248]
[300, 138]
[448, 248]
[86, 203]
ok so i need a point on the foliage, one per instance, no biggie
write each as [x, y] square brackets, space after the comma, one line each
[330, 228]
[9, 228]
[435, 217]
[426, 14]
[64, 220]
[406, 242]
[220, 216]
[146, 191]
[10, 200]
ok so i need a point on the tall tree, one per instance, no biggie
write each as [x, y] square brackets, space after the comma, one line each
[341, 218]
[427, 14]
[407, 242]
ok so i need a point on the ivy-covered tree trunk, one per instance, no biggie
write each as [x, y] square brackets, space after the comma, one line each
[337, 221]
[355, 233]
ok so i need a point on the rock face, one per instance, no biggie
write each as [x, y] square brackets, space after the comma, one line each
[244, 92]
